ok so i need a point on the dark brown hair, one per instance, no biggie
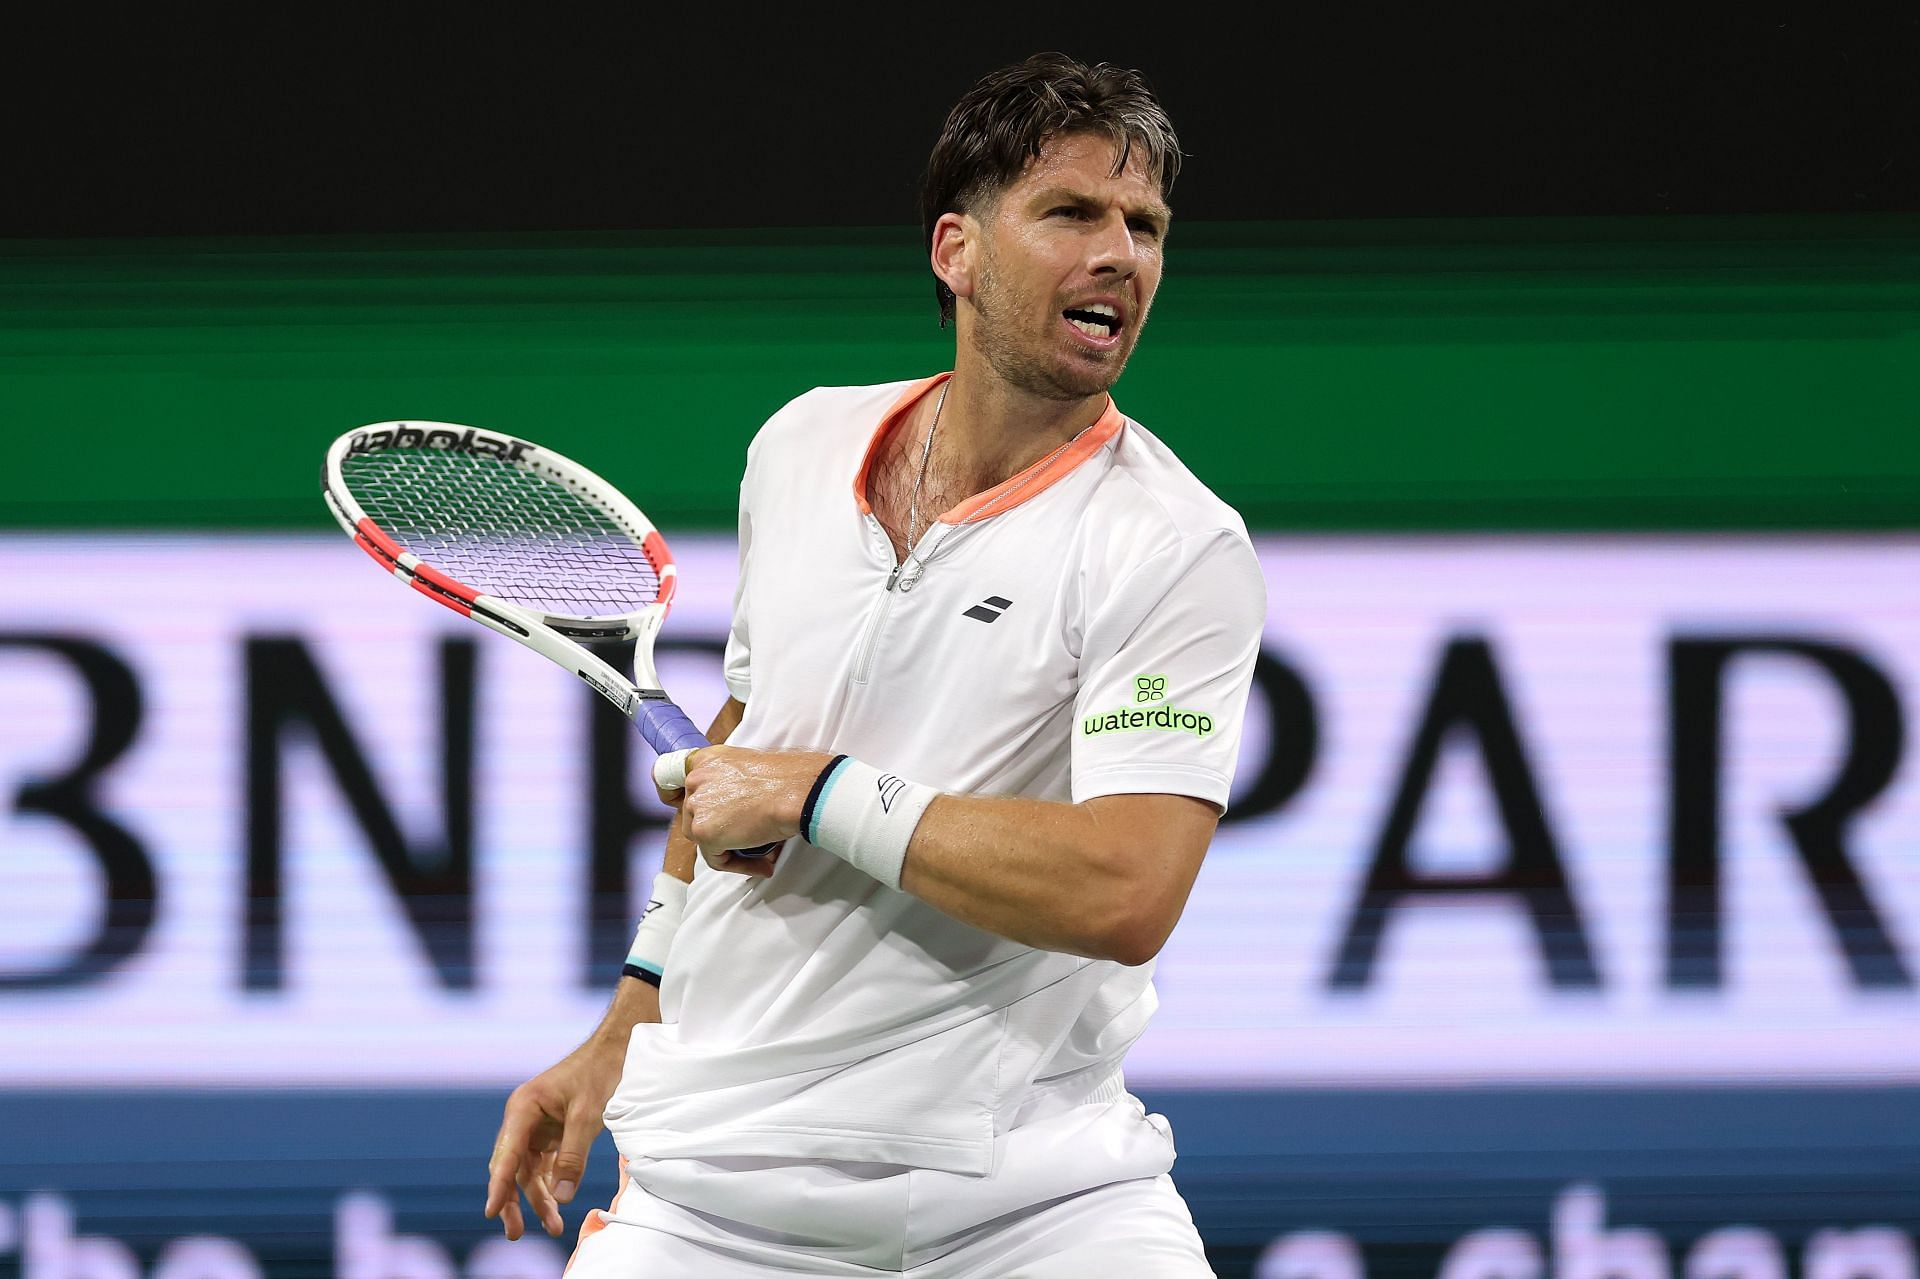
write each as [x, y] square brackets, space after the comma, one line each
[1000, 125]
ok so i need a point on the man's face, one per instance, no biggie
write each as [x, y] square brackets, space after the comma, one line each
[1068, 262]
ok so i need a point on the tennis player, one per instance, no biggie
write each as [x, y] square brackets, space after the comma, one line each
[988, 664]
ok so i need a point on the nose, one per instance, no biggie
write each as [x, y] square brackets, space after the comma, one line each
[1114, 249]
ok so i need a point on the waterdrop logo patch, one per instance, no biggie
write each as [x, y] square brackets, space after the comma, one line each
[1150, 710]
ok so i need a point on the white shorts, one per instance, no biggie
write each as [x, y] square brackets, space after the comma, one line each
[1078, 1194]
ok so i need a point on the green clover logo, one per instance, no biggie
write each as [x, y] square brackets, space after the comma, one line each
[1149, 688]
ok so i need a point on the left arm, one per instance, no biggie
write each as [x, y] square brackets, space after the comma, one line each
[1106, 878]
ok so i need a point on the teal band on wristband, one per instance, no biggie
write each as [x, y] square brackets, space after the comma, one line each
[867, 817]
[817, 800]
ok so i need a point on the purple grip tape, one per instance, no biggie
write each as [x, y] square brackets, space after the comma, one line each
[667, 728]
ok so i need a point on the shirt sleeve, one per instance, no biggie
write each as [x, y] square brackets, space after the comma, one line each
[1164, 673]
[737, 665]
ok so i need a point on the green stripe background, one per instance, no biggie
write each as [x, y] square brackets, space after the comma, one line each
[1553, 374]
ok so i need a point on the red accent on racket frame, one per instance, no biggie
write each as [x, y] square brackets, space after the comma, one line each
[425, 578]
[655, 548]
[375, 554]
[389, 548]
[435, 585]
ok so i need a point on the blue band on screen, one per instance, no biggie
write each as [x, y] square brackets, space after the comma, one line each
[818, 795]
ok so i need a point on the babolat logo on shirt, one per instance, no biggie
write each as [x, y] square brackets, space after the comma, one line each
[1148, 689]
[467, 441]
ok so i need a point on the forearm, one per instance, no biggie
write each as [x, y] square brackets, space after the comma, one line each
[634, 1002]
[652, 947]
[1106, 879]
[680, 854]
[604, 1052]
[1020, 868]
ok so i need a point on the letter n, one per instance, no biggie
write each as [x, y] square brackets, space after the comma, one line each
[434, 881]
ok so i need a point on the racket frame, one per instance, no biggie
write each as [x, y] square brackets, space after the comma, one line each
[559, 637]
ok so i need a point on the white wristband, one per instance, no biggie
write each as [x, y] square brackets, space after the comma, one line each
[864, 817]
[647, 960]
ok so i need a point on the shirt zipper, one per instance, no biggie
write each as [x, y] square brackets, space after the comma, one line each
[902, 576]
[908, 571]
[863, 663]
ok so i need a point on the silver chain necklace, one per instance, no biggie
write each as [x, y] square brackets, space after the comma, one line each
[926, 453]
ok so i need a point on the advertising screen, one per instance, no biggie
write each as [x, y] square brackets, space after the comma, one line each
[1507, 810]
[1610, 838]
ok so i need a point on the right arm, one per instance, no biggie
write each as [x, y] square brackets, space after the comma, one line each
[552, 1119]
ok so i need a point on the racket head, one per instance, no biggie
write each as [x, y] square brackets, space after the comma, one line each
[501, 529]
[523, 540]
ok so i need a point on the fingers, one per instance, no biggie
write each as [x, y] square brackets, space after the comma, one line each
[753, 867]
[515, 1165]
[570, 1157]
[538, 1185]
[552, 1179]
[670, 771]
[511, 1224]
[503, 1176]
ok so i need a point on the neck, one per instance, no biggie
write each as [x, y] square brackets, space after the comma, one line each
[991, 430]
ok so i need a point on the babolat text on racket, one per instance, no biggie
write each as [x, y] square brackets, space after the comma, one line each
[524, 542]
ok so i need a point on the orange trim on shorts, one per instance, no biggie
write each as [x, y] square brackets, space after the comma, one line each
[1028, 484]
[596, 1220]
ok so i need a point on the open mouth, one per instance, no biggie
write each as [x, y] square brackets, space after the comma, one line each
[1099, 321]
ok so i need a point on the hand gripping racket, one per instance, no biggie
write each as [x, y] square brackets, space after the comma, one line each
[524, 542]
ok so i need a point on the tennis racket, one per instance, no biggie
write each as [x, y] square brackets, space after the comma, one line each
[526, 543]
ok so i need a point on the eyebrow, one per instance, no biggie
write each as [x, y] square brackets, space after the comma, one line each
[1158, 211]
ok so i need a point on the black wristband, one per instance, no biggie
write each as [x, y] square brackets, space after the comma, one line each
[813, 797]
[635, 970]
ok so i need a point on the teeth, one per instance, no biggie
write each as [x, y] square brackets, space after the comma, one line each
[1090, 329]
[1102, 308]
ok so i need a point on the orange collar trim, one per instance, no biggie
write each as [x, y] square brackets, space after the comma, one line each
[1028, 484]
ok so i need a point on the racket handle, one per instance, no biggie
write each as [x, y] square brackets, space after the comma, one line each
[667, 729]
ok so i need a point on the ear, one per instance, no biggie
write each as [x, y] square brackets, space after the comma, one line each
[955, 240]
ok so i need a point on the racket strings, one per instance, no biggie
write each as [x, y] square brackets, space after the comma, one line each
[504, 530]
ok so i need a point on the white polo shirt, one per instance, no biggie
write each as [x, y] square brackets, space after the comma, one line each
[1087, 628]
